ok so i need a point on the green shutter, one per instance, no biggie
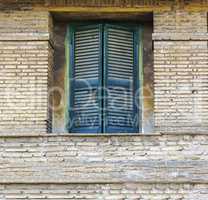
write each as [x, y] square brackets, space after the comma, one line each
[121, 81]
[86, 75]
[104, 79]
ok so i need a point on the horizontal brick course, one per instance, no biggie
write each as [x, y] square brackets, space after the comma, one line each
[104, 159]
[126, 191]
[24, 25]
[180, 21]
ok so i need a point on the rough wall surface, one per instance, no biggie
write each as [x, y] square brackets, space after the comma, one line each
[180, 21]
[24, 76]
[126, 191]
[78, 159]
[30, 4]
[24, 25]
[109, 167]
[180, 63]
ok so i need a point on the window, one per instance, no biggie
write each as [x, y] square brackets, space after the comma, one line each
[104, 78]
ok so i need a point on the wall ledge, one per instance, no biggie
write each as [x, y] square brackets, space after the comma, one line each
[24, 37]
[8, 135]
[180, 36]
[67, 182]
[19, 135]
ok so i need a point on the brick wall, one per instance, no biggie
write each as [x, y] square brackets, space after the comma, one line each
[41, 166]
[180, 63]
[24, 76]
[25, 25]
[180, 21]
[110, 159]
[105, 191]
[105, 167]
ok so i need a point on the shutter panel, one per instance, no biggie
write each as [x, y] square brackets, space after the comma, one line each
[121, 53]
[85, 114]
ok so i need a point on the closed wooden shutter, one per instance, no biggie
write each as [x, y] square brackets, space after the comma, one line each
[104, 79]
[86, 79]
[121, 103]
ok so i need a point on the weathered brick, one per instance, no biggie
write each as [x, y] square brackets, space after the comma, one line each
[180, 75]
[25, 71]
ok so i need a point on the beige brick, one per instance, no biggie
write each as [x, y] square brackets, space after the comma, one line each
[25, 64]
[180, 74]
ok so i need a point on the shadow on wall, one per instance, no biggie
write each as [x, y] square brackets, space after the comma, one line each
[59, 101]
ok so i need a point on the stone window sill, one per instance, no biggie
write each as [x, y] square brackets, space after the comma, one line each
[75, 134]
